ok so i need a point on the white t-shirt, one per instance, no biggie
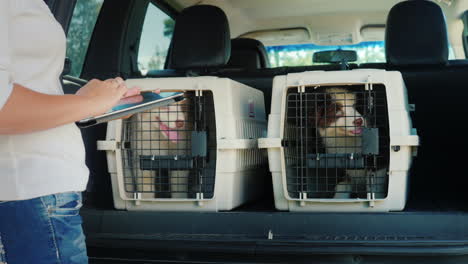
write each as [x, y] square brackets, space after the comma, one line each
[32, 53]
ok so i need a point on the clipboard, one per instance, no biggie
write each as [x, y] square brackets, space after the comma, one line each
[150, 100]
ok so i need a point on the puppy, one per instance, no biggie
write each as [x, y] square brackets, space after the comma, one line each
[340, 126]
[163, 131]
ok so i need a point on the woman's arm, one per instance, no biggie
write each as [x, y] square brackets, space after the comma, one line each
[23, 110]
[28, 111]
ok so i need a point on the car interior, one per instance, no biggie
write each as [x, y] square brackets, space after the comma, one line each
[235, 39]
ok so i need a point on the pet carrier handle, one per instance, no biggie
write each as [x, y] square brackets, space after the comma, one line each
[411, 140]
[107, 145]
[265, 143]
[237, 144]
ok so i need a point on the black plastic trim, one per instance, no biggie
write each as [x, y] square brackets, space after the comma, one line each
[62, 10]
[166, 8]
[405, 233]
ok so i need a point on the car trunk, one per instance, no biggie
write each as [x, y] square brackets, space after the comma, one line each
[426, 226]
[434, 221]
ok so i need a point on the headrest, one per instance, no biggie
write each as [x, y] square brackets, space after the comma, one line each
[201, 38]
[416, 34]
[248, 54]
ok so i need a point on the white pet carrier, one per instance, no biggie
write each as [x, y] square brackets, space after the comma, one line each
[199, 154]
[340, 141]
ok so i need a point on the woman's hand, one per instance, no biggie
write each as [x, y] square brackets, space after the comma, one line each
[49, 111]
[103, 95]
[133, 99]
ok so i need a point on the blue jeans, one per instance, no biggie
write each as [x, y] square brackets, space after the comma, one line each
[44, 230]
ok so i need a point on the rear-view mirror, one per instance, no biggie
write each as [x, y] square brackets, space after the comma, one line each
[335, 56]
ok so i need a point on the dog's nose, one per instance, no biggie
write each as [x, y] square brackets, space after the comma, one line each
[358, 122]
[179, 123]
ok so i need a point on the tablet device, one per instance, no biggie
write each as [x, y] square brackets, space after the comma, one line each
[150, 100]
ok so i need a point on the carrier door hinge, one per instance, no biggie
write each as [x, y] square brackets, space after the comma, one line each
[198, 93]
[199, 197]
[270, 235]
[368, 85]
[301, 89]
[137, 199]
[371, 194]
[302, 198]
[108, 145]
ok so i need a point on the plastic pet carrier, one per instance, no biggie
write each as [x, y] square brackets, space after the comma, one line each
[340, 141]
[198, 154]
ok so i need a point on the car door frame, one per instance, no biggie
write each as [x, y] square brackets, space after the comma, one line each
[62, 10]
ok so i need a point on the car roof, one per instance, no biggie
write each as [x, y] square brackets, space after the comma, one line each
[319, 20]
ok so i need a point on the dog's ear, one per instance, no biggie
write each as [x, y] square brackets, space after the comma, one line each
[323, 110]
[326, 111]
[315, 107]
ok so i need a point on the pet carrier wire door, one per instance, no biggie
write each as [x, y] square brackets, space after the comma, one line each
[340, 141]
[198, 154]
[168, 147]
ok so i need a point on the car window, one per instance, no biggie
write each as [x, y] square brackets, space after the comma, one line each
[451, 55]
[155, 39]
[79, 34]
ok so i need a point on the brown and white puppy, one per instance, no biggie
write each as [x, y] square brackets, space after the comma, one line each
[338, 122]
[163, 131]
[340, 126]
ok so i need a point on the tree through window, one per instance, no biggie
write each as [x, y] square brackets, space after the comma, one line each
[79, 33]
[155, 39]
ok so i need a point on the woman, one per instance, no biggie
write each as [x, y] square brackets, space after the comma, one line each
[42, 158]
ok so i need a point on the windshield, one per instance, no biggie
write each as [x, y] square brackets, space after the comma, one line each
[301, 54]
